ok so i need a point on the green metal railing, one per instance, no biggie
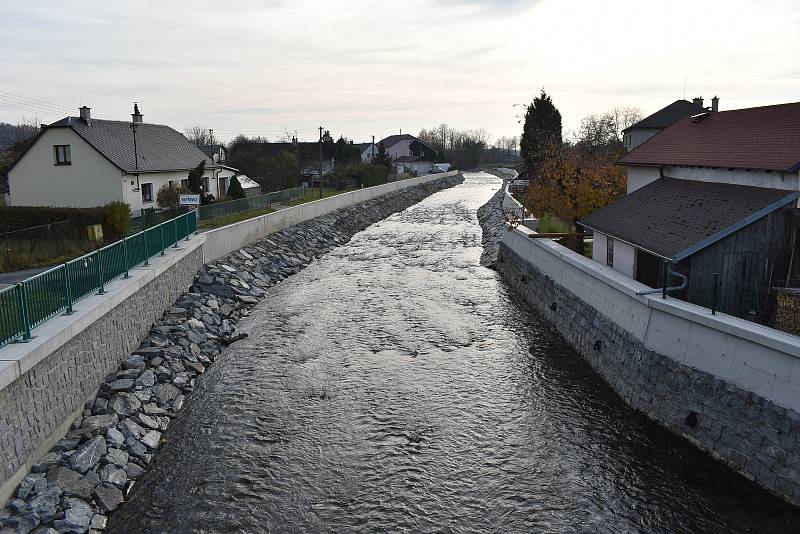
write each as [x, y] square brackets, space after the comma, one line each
[39, 298]
[234, 207]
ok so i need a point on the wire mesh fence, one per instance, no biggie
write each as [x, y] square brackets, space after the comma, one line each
[43, 245]
[243, 205]
[38, 298]
[773, 303]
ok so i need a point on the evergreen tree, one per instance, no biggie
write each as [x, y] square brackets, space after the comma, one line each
[541, 129]
[382, 158]
[235, 189]
[196, 182]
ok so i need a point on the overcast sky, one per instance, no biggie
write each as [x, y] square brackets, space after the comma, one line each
[364, 68]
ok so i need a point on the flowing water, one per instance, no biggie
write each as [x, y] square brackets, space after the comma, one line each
[397, 386]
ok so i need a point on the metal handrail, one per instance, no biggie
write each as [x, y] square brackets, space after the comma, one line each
[40, 297]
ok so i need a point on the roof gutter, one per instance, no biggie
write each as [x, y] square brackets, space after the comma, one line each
[738, 226]
[634, 245]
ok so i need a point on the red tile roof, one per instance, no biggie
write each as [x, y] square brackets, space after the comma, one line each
[766, 137]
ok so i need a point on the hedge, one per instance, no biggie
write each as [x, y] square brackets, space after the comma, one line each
[20, 217]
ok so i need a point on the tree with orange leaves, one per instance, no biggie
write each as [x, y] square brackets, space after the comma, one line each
[575, 181]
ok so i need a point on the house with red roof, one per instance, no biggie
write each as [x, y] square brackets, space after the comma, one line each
[711, 197]
[758, 147]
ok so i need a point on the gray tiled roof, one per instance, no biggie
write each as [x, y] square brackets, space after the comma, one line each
[674, 218]
[394, 139]
[160, 148]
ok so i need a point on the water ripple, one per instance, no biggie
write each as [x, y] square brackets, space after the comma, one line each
[396, 385]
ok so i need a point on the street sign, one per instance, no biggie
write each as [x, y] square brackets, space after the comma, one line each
[189, 200]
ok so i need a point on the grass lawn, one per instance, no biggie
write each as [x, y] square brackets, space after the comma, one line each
[553, 224]
[313, 194]
[230, 219]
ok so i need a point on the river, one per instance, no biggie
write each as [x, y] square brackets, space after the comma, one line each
[395, 385]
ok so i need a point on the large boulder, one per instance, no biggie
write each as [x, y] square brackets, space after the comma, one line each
[72, 482]
[107, 497]
[77, 517]
[87, 456]
[124, 404]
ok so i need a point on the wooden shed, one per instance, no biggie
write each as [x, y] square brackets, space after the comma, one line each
[742, 233]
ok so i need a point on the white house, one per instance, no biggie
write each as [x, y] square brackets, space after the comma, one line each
[409, 154]
[368, 151]
[223, 173]
[85, 162]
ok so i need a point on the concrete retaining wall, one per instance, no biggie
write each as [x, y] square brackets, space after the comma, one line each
[730, 387]
[44, 383]
[222, 241]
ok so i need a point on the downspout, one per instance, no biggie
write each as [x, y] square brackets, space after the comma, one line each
[669, 274]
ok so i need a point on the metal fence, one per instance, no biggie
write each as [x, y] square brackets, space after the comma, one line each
[37, 299]
[717, 294]
[242, 205]
[43, 245]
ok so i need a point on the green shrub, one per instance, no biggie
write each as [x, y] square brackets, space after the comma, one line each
[235, 189]
[168, 197]
[118, 218]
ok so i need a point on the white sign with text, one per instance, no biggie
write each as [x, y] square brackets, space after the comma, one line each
[189, 200]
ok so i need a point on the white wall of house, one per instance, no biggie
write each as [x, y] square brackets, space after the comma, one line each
[369, 154]
[421, 167]
[90, 180]
[639, 177]
[624, 254]
[400, 149]
[756, 178]
[624, 259]
[157, 180]
[635, 138]
[599, 244]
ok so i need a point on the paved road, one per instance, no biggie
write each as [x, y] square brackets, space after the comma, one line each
[8, 279]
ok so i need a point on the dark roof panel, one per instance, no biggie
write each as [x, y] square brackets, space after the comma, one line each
[160, 148]
[674, 218]
[765, 138]
[666, 116]
[394, 139]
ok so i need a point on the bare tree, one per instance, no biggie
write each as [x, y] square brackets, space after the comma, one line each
[199, 135]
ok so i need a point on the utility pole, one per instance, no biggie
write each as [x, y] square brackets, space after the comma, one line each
[320, 162]
[372, 151]
[213, 172]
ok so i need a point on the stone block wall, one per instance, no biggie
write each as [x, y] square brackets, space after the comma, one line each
[753, 435]
[34, 406]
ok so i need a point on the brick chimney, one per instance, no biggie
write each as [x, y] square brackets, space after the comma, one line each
[137, 117]
[698, 101]
[715, 104]
[86, 115]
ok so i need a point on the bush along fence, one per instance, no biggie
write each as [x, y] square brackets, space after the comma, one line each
[242, 205]
[39, 298]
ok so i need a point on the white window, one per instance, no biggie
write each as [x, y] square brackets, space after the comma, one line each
[609, 252]
[206, 187]
[62, 155]
[147, 193]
